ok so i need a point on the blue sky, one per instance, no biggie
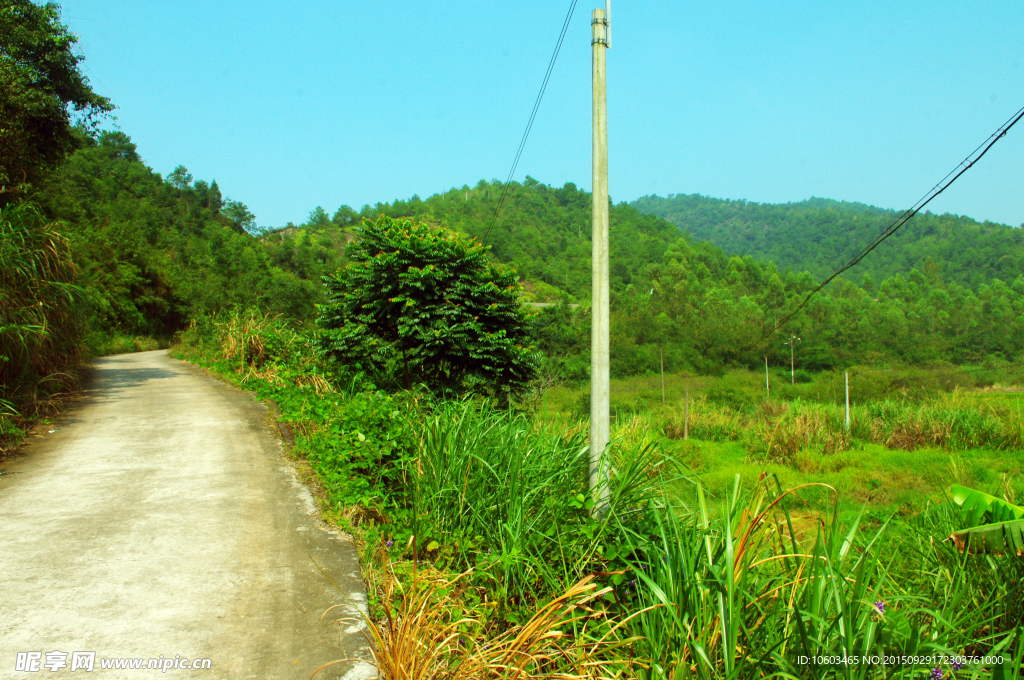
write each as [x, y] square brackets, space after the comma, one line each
[294, 105]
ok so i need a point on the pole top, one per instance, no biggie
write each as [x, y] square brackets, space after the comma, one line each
[599, 26]
[608, 20]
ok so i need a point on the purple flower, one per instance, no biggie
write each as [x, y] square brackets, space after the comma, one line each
[880, 607]
[633, 582]
[390, 543]
[936, 673]
[957, 664]
[488, 551]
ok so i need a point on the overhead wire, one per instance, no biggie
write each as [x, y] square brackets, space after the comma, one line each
[902, 218]
[533, 116]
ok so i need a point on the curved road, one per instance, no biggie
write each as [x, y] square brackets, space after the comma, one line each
[160, 517]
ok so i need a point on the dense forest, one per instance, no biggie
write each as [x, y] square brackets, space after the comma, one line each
[155, 252]
[818, 235]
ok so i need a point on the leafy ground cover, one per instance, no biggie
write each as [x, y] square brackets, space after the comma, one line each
[477, 533]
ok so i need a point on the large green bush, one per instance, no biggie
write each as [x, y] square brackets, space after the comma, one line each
[420, 305]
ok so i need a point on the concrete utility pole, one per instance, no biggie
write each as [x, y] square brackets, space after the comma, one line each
[686, 410]
[661, 352]
[599, 372]
[847, 374]
[793, 340]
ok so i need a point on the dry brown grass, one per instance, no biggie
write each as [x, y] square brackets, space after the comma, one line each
[317, 382]
[430, 635]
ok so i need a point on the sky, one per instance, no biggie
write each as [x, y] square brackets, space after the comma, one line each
[290, 106]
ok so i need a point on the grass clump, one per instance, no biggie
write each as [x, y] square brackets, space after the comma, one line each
[751, 590]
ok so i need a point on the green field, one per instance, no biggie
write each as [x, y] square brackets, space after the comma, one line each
[867, 472]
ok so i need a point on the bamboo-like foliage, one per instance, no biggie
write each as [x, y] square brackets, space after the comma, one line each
[40, 324]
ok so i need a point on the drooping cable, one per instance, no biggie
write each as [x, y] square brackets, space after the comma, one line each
[902, 219]
[533, 116]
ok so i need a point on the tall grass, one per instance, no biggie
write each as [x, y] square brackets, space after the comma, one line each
[490, 490]
[747, 592]
[776, 431]
[41, 329]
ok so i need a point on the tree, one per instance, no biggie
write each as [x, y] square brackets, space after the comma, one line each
[238, 214]
[40, 84]
[180, 178]
[430, 307]
[318, 217]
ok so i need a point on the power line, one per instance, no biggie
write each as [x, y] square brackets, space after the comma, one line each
[904, 217]
[533, 115]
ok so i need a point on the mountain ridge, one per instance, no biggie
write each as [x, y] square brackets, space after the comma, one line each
[820, 235]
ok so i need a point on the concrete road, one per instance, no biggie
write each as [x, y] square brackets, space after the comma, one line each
[161, 518]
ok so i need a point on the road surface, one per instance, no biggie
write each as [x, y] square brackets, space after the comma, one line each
[161, 519]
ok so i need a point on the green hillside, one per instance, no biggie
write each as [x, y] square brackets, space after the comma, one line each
[156, 252]
[819, 235]
[543, 231]
[702, 307]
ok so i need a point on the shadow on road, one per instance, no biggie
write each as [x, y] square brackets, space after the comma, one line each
[107, 376]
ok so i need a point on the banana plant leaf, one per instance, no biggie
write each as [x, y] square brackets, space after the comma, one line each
[978, 508]
[1006, 538]
[996, 526]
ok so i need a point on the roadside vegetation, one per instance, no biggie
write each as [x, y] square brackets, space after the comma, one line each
[484, 554]
[475, 520]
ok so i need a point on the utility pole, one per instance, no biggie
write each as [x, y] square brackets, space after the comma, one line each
[793, 340]
[847, 374]
[599, 371]
[686, 410]
[661, 352]
[767, 387]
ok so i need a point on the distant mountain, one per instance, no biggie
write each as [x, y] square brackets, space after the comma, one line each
[819, 235]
